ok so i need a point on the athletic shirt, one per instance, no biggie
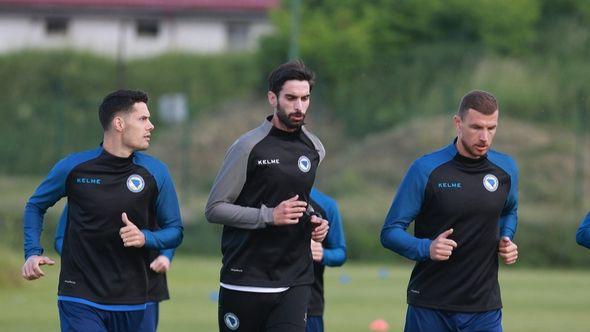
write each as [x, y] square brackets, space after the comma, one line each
[96, 267]
[475, 197]
[334, 248]
[157, 284]
[261, 169]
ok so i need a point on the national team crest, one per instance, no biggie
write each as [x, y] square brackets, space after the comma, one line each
[231, 321]
[135, 183]
[304, 164]
[490, 182]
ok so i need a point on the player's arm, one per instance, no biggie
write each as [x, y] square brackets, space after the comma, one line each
[405, 207]
[509, 216]
[170, 232]
[51, 190]
[335, 243]
[583, 232]
[221, 207]
[507, 249]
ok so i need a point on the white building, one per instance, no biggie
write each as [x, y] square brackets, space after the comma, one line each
[133, 28]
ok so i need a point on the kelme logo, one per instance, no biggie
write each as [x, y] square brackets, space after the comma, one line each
[490, 182]
[135, 183]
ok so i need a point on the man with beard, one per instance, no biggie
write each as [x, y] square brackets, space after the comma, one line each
[464, 200]
[261, 196]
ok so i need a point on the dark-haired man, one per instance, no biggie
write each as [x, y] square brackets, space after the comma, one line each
[463, 199]
[121, 205]
[261, 197]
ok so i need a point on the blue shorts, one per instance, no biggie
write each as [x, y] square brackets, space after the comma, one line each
[315, 324]
[420, 319]
[76, 316]
[150, 318]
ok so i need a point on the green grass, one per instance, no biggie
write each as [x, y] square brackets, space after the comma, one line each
[356, 294]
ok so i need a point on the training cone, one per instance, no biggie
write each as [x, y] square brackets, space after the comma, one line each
[379, 325]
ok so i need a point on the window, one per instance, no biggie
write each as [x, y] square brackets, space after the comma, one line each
[56, 26]
[237, 34]
[148, 28]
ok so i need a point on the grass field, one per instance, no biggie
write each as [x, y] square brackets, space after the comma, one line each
[534, 300]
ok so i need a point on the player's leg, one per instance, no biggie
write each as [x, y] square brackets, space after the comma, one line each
[488, 321]
[75, 316]
[419, 319]
[243, 311]
[290, 310]
[150, 318]
[315, 324]
[124, 321]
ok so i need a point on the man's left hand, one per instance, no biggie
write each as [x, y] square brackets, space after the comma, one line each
[161, 264]
[130, 234]
[508, 250]
[320, 229]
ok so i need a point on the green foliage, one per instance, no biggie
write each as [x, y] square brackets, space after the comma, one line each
[50, 102]
[381, 62]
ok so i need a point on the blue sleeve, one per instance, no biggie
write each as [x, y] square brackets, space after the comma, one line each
[168, 253]
[51, 190]
[404, 209]
[509, 216]
[169, 235]
[60, 231]
[583, 232]
[335, 243]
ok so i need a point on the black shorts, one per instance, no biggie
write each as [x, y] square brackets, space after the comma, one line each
[248, 311]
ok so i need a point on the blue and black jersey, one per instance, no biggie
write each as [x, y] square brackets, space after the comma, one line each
[158, 286]
[261, 169]
[334, 248]
[96, 267]
[478, 198]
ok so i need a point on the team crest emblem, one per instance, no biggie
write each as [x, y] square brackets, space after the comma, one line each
[490, 182]
[135, 183]
[304, 164]
[231, 321]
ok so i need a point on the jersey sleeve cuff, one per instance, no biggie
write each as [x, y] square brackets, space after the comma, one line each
[150, 241]
[266, 215]
[424, 249]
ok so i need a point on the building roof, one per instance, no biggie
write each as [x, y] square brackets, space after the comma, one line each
[165, 5]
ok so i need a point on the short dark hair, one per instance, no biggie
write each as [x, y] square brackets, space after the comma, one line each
[292, 70]
[481, 101]
[118, 101]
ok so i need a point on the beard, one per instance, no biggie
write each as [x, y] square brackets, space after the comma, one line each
[472, 151]
[287, 120]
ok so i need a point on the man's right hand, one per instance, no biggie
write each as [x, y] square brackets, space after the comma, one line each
[288, 212]
[31, 270]
[442, 247]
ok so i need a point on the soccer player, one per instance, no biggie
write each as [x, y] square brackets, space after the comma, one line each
[121, 204]
[583, 232]
[330, 252]
[463, 199]
[160, 262]
[261, 196]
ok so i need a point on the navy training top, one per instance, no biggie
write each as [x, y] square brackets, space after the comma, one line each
[478, 198]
